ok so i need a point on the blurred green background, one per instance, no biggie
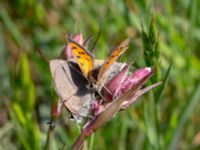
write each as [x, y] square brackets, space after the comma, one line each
[165, 118]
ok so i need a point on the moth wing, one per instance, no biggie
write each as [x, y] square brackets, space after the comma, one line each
[73, 94]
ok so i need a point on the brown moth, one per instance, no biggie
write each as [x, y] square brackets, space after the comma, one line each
[71, 88]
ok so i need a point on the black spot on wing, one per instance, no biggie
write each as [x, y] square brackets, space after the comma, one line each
[73, 47]
[120, 48]
[112, 56]
[103, 69]
[87, 58]
[81, 53]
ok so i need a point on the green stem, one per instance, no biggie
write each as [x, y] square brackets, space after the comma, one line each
[49, 137]
[91, 142]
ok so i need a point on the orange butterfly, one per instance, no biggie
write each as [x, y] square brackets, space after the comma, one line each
[86, 62]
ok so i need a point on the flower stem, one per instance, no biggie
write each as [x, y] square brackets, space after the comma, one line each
[49, 136]
[91, 142]
[80, 140]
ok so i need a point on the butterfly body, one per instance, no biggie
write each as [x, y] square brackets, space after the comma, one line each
[86, 63]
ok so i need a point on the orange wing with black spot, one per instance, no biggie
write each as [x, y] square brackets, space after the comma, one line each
[113, 57]
[83, 57]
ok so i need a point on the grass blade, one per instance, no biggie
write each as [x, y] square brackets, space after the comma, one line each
[186, 112]
[163, 85]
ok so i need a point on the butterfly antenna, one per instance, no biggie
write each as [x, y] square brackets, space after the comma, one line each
[95, 42]
[85, 43]
[42, 55]
[68, 37]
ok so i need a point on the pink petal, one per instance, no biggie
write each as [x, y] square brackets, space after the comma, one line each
[96, 107]
[135, 77]
[114, 84]
[78, 38]
[135, 96]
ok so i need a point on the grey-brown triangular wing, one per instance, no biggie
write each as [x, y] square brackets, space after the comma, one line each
[71, 87]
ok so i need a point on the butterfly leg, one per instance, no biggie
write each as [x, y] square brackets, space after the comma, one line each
[107, 90]
[101, 96]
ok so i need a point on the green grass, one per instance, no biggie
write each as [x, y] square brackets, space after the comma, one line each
[164, 118]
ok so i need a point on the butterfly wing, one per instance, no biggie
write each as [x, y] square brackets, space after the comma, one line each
[83, 57]
[71, 87]
[111, 72]
[112, 58]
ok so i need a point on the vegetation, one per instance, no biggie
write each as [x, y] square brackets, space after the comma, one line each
[164, 34]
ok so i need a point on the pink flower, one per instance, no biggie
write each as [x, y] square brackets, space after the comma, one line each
[123, 82]
[123, 90]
